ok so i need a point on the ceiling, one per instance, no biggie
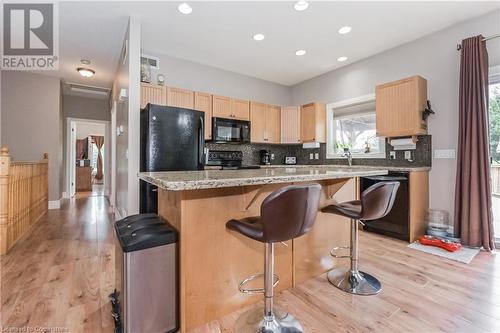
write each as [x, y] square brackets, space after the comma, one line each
[220, 34]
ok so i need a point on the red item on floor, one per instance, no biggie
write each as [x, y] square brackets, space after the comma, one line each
[448, 245]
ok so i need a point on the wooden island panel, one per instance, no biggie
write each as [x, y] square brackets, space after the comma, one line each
[213, 260]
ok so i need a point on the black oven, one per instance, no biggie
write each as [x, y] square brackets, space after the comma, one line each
[230, 130]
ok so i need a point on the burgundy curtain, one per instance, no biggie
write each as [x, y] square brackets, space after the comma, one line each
[473, 213]
[99, 142]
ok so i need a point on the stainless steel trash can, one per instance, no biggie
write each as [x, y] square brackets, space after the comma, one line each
[146, 295]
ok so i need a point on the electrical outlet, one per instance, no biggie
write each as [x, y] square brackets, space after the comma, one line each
[392, 155]
[272, 157]
[408, 155]
[316, 156]
[311, 156]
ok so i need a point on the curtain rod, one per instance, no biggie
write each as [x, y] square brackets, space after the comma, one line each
[459, 47]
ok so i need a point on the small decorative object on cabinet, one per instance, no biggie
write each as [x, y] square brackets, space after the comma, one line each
[145, 72]
[400, 107]
[161, 79]
[313, 122]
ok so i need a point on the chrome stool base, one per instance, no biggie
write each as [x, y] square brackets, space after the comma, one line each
[254, 321]
[354, 282]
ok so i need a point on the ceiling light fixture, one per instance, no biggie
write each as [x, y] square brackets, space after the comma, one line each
[300, 52]
[345, 30]
[85, 72]
[85, 61]
[301, 5]
[259, 37]
[342, 59]
[185, 9]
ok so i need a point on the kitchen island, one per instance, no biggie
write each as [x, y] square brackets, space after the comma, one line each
[214, 260]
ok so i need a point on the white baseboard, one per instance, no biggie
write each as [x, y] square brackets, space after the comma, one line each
[54, 204]
[117, 215]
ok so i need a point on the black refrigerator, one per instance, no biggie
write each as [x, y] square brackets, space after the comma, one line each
[172, 139]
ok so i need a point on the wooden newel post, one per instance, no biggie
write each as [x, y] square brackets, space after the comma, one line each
[4, 196]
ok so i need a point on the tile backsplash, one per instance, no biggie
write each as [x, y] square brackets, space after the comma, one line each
[422, 155]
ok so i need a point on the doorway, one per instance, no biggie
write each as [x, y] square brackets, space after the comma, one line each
[494, 122]
[88, 161]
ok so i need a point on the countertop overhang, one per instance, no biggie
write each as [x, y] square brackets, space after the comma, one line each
[207, 179]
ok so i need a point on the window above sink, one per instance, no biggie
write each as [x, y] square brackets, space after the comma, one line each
[352, 124]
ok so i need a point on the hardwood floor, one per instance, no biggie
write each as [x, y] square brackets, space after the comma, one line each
[61, 274]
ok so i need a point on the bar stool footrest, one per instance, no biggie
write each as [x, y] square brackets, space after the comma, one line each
[241, 286]
[337, 248]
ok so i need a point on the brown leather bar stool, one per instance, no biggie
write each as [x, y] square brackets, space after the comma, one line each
[285, 214]
[376, 202]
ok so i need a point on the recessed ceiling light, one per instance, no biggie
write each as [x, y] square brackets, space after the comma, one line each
[185, 9]
[300, 52]
[301, 5]
[85, 61]
[85, 72]
[341, 59]
[259, 37]
[345, 30]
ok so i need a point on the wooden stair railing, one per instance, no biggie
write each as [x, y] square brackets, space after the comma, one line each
[23, 197]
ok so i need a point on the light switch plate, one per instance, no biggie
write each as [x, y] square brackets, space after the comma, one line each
[407, 155]
[444, 153]
[316, 156]
[311, 156]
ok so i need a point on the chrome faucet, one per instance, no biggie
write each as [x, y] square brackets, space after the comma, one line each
[347, 153]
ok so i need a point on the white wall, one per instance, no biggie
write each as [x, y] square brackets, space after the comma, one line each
[128, 116]
[85, 129]
[435, 58]
[194, 76]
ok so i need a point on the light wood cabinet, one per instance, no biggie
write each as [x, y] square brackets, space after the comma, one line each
[221, 106]
[181, 98]
[265, 122]
[399, 107]
[154, 94]
[273, 124]
[203, 102]
[313, 122]
[257, 122]
[290, 124]
[240, 109]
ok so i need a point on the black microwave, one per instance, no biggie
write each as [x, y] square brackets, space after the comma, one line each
[230, 130]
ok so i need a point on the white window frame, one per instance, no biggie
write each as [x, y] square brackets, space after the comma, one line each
[331, 152]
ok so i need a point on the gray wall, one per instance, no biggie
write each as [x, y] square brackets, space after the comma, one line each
[194, 76]
[434, 57]
[31, 121]
[128, 116]
[82, 108]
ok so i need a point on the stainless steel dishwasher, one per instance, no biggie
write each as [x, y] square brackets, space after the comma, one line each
[146, 294]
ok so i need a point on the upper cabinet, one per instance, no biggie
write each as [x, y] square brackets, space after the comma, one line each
[221, 106]
[203, 102]
[290, 124]
[154, 94]
[313, 122]
[181, 98]
[265, 123]
[240, 109]
[399, 107]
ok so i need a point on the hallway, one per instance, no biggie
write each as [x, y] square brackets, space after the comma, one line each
[60, 276]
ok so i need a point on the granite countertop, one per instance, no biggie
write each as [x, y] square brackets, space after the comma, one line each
[389, 168]
[205, 179]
